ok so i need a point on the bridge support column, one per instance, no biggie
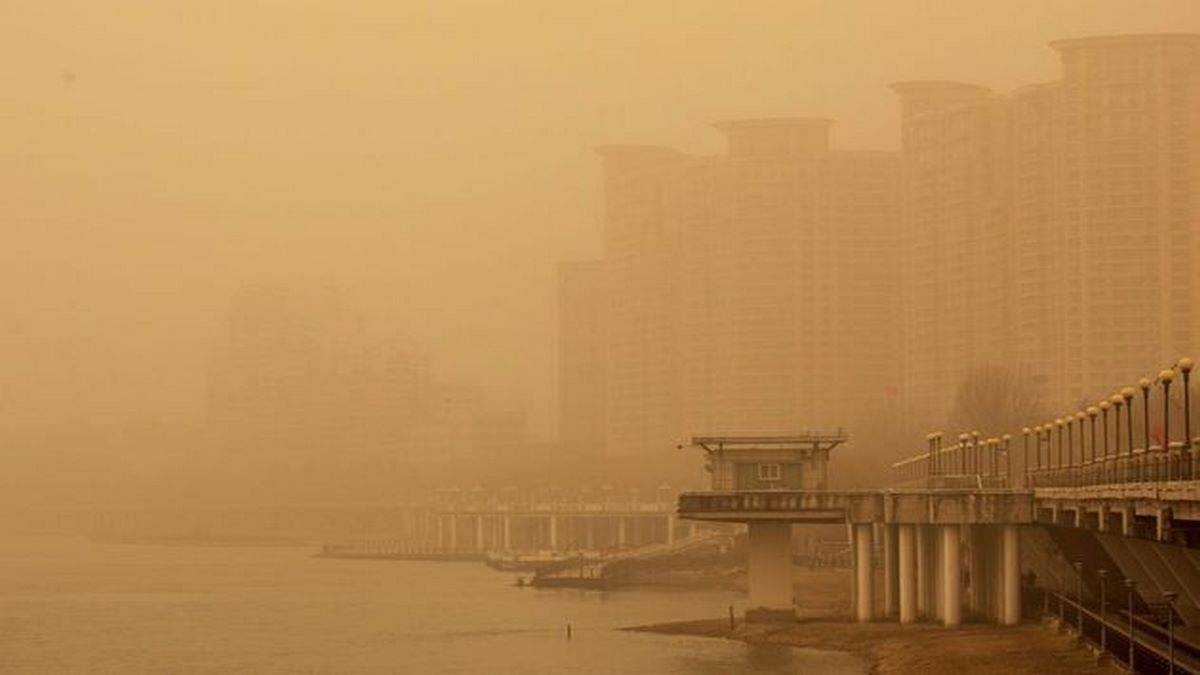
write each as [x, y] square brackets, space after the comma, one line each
[671, 529]
[507, 532]
[951, 576]
[479, 533]
[553, 533]
[924, 577]
[891, 571]
[622, 536]
[906, 563]
[453, 533]
[1011, 612]
[864, 596]
[977, 582]
[769, 571]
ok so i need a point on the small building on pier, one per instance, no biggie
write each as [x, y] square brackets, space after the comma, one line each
[799, 462]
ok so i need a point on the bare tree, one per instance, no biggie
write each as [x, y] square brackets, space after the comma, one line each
[995, 399]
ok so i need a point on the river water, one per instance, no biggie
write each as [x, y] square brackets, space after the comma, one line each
[73, 606]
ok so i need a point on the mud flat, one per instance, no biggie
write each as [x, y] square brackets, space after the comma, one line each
[824, 623]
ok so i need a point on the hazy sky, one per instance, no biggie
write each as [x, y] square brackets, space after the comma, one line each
[432, 158]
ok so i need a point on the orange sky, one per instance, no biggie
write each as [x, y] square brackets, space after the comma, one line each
[432, 158]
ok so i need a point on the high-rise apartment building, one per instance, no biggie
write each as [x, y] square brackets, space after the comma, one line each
[751, 292]
[1054, 230]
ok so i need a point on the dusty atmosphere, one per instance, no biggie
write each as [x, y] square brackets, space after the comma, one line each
[531, 337]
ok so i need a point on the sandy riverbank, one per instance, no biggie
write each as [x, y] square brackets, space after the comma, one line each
[824, 623]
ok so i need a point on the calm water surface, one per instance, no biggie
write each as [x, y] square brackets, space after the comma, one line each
[69, 605]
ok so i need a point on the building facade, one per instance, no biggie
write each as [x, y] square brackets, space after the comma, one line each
[1055, 229]
[750, 292]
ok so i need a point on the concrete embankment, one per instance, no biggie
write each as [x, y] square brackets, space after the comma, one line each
[929, 649]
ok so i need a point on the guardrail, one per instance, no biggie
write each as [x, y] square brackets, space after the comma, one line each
[1094, 446]
[1154, 649]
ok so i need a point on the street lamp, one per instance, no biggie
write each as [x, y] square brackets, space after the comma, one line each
[1130, 587]
[1117, 402]
[1170, 597]
[1144, 383]
[1092, 411]
[1103, 574]
[1104, 406]
[1127, 395]
[1006, 439]
[1185, 366]
[975, 456]
[962, 453]
[931, 464]
[1025, 452]
[1060, 423]
[1080, 417]
[1165, 378]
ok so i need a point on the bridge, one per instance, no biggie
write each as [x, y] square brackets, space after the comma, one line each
[554, 520]
[969, 524]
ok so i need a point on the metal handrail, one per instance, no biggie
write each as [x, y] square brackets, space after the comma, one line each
[1187, 653]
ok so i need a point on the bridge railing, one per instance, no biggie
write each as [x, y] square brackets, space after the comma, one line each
[1154, 648]
[1095, 446]
[1070, 451]
[972, 462]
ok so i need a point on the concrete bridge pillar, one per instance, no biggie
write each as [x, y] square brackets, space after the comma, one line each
[671, 530]
[507, 532]
[479, 533]
[978, 552]
[951, 576]
[453, 533]
[891, 571]
[622, 535]
[864, 597]
[1011, 545]
[907, 582]
[553, 533]
[769, 571]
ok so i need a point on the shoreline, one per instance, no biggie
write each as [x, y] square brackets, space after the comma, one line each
[824, 622]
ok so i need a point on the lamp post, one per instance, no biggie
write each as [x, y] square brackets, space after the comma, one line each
[1104, 406]
[1170, 597]
[1092, 412]
[1165, 378]
[1127, 395]
[931, 463]
[1080, 417]
[1130, 586]
[975, 451]
[1117, 402]
[1025, 453]
[1145, 386]
[1185, 366]
[962, 453]
[1103, 574]
[1059, 465]
[1007, 441]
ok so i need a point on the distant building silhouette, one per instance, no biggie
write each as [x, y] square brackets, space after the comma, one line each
[751, 292]
[1055, 229]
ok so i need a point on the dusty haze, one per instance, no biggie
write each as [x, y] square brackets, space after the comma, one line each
[427, 164]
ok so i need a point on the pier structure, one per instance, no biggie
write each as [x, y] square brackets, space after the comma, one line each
[925, 537]
[555, 521]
